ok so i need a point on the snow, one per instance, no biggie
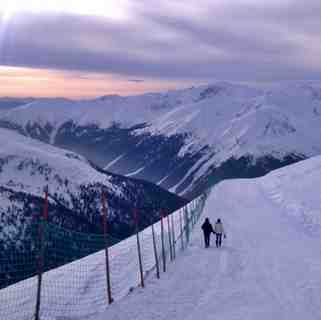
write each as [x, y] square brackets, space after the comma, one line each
[78, 290]
[132, 110]
[303, 210]
[53, 135]
[135, 172]
[232, 120]
[241, 121]
[102, 112]
[268, 267]
[194, 168]
[8, 231]
[30, 165]
[114, 161]
[162, 180]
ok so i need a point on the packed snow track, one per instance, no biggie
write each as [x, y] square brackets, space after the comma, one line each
[268, 268]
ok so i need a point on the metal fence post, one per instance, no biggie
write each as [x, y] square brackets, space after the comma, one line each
[105, 229]
[139, 250]
[41, 257]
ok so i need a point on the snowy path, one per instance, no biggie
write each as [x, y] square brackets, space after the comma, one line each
[269, 267]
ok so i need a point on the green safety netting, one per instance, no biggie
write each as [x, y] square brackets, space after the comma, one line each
[74, 266]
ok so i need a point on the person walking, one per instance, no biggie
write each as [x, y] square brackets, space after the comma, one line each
[207, 230]
[219, 231]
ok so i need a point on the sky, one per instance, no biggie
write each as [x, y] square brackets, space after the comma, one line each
[81, 48]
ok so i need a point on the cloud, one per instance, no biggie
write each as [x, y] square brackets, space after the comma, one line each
[136, 80]
[248, 40]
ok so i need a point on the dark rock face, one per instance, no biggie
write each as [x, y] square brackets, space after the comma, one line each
[156, 157]
[244, 167]
[99, 145]
[150, 157]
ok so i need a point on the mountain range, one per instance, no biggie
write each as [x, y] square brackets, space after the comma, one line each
[183, 140]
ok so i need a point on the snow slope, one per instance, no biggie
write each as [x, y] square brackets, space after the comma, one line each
[268, 268]
[179, 138]
[102, 111]
[78, 290]
[126, 110]
[28, 165]
[75, 186]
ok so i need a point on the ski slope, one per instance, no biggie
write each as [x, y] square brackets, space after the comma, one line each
[268, 267]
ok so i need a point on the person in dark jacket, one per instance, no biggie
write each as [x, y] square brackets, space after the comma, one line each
[207, 230]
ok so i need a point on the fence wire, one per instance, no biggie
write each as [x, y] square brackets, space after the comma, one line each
[74, 281]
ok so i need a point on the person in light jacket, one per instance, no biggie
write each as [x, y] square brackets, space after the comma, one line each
[207, 230]
[219, 231]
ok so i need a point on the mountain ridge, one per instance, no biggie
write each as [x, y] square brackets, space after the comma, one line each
[178, 138]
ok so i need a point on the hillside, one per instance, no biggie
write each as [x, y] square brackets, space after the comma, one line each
[183, 140]
[75, 186]
[268, 267]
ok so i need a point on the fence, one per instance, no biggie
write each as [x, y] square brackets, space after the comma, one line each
[108, 272]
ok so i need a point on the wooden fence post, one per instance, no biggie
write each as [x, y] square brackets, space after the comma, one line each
[41, 257]
[193, 215]
[181, 229]
[169, 238]
[139, 250]
[186, 224]
[105, 229]
[173, 236]
[155, 253]
[163, 243]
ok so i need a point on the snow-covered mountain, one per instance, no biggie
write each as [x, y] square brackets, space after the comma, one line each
[268, 266]
[7, 103]
[183, 140]
[27, 166]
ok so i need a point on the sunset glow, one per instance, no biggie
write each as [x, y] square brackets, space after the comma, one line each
[30, 82]
[100, 46]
